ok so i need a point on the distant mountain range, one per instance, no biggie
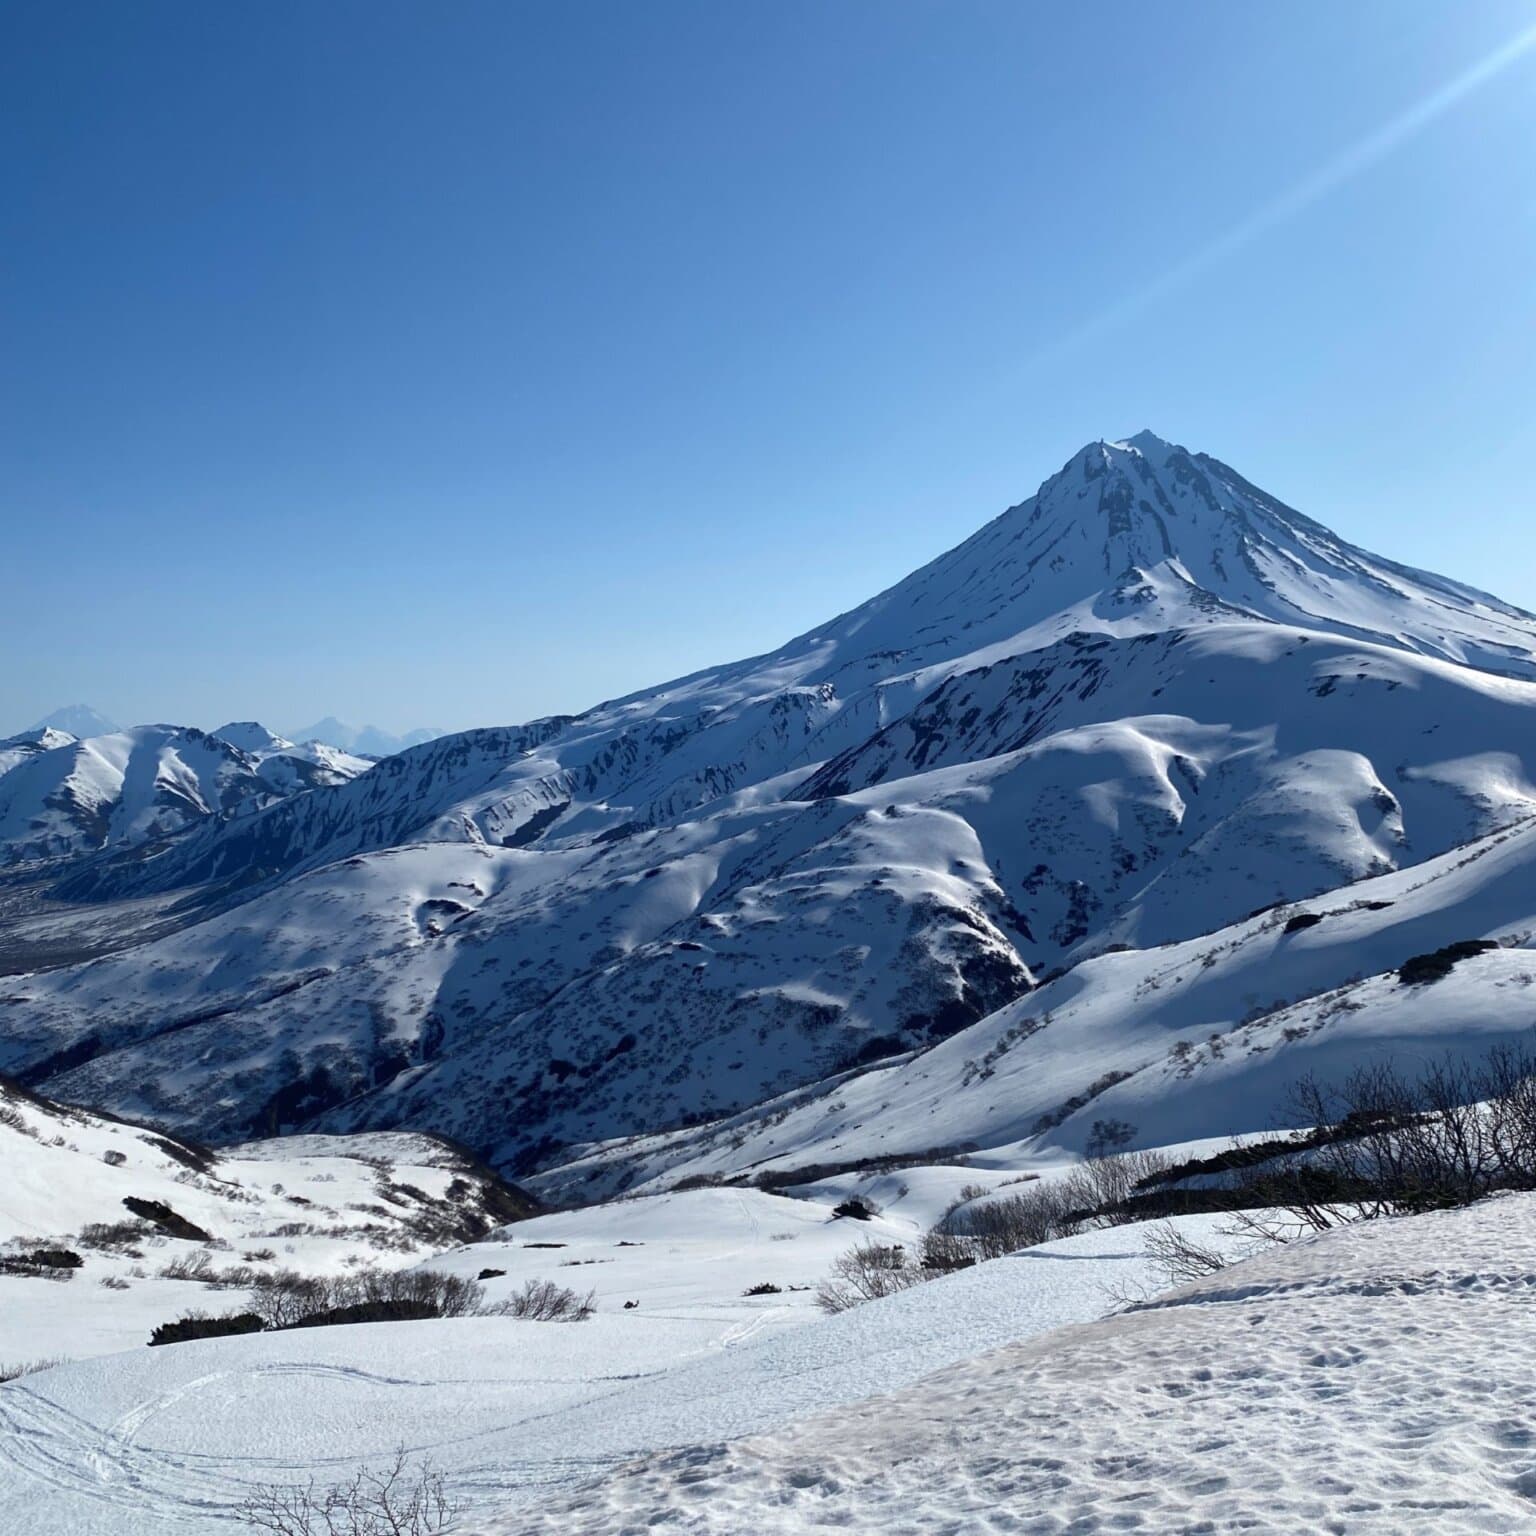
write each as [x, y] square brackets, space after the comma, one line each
[82, 722]
[363, 741]
[1013, 846]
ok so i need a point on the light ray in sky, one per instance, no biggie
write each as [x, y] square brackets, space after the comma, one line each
[1343, 168]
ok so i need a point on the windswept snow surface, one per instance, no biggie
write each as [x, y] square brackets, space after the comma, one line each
[167, 1440]
[1373, 1381]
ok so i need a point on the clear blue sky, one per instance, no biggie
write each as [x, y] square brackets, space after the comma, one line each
[455, 363]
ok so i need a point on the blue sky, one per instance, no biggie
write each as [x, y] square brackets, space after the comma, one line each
[453, 364]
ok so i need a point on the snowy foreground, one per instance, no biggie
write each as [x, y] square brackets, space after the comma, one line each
[1376, 1379]
[171, 1439]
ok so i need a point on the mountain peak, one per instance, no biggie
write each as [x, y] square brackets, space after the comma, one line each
[78, 720]
[1149, 445]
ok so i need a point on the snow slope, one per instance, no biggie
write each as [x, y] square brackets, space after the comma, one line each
[1130, 711]
[1203, 1038]
[1373, 1380]
[166, 1440]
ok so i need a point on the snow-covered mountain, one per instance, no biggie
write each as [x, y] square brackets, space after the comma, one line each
[78, 720]
[1129, 712]
[362, 741]
[62, 796]
[288, 766]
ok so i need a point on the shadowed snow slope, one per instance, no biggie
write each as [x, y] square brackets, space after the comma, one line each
[1200, 1039]
[1374, 1380]
[1130, 711]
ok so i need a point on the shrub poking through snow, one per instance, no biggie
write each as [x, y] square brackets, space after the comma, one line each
[867, 1272]
[542, 1301]
[856, 1208]
[404, 1499]
[763, 1288]
[164, 1219]
[1438, 964]
[285, 1299]
[198, 1325]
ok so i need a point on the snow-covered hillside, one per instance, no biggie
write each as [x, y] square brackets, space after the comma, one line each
[318, 1204]
[168, 1440]
[1204, 1038]
[1131, 711]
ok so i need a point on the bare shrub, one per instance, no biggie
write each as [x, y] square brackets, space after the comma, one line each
[123, 1236]
[1382, 1143]
[14, 1370]
[1179, 1258]
[1038, 1213]
[943, 1252]
[284, 1298]
[405, 1499]
[868, 1271]
[188, 1266]
[1104, 1187]
[542, 1301]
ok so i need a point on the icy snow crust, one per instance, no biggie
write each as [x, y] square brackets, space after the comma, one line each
[1375, 1380]
[1131, 711]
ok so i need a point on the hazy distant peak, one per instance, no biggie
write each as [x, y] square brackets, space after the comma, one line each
[366, 740]
[78, 720]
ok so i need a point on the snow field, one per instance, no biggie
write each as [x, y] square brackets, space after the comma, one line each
[1373, 1380]
[168, 1440]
